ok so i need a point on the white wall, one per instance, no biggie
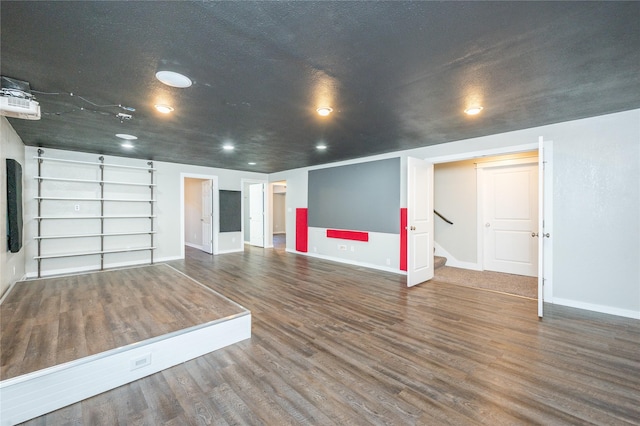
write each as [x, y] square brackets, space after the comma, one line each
[11, 264]
[169, 237]
[596, 204]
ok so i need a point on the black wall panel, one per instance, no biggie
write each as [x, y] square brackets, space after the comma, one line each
[230, 211]
[14, 206]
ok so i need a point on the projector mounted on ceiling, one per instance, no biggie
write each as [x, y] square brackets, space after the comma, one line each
[17, 101]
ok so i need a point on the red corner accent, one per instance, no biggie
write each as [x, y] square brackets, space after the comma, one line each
[302, 230]
[403, 239]
[348, 235]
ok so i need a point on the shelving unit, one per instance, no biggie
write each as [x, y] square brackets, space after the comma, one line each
[101, 216]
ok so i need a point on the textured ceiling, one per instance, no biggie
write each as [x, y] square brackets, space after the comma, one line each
[397, 74]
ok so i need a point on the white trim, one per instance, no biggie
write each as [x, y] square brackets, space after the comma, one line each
[628, 313]
[507, 162]
[195, 246]
[95, 268]
[469, 155]
[452, 261]
[348, 262]
[231, 251]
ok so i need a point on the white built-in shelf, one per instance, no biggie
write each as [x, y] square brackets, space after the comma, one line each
[90, 253]
[109, 234]
[95, 199]
[93, 181]
[124, 216]
[93, 163]
[96, 180]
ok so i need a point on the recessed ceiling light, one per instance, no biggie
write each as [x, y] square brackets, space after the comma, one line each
[251, 163]
[227, 147]
[127, 145]
[321, 147]
[473, 110]
[324, 111]
[165, 109]
[173, 79]
[126, 136]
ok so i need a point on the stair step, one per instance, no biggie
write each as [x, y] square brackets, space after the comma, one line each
[439, 261]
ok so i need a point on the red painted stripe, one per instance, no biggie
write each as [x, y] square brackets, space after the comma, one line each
[348, 235]
[403, 239]
[302, 230]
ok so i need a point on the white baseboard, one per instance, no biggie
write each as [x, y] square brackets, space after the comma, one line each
[349, 262]
[628, 313]
[231, 251]
[452, 261]
[195, 246]
[73, 271]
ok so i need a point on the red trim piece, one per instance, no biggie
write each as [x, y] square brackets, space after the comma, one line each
[348, 235]
[302, 230]
[403, 239]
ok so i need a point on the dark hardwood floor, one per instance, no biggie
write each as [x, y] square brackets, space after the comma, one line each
[336, 344]
[50, 321]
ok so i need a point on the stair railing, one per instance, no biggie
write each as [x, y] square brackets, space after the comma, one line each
[442, 217]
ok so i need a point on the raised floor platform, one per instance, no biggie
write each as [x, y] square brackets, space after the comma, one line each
[68, 338]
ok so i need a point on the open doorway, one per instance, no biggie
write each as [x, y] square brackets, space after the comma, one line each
[279, 215]
[198, 213]
[475, 252]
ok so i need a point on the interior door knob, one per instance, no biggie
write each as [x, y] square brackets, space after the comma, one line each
[487, 225]
[546, 235]
[534, 234]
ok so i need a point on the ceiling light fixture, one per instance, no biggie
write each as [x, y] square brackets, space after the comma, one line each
[251, 163]
[321, 147]
[173, 79]
[127, 145]
[126, 136]
[165, 109]
[227, 147]
[473, 110]
[324, 111]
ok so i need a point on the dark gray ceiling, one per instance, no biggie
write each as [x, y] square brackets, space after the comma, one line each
[397, 74]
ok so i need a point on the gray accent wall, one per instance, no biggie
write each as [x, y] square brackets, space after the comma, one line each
[359, 197]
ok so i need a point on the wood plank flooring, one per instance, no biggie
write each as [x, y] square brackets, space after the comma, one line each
[51, 321]
[336, 344]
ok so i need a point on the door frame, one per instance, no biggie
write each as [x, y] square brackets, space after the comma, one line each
[547, 194]
[266, 216]
[215, 208]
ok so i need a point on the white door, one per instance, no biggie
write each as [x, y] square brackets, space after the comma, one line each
[207, 216]
[419, 221]
[256, 214]
[510, 219]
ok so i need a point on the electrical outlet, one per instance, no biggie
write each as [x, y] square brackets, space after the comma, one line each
[342, 247]
[140, 362]
[77, 207]
[315, 249]
[353, 248]
[388, 261]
